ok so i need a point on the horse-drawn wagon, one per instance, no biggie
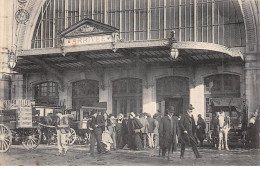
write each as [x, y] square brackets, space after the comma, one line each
[77, 121]
[80, 122]
[19, 125]
[48, 123]
[232, 124]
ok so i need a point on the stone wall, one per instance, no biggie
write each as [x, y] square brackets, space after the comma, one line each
[196, 76]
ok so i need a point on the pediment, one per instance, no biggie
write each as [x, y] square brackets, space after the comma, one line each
[87, 27]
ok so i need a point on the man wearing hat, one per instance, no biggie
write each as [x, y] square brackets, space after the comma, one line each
[200, 131]
[167, 132]
[96, 127]
[188, 128]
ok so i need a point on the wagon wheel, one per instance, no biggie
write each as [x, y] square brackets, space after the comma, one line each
[72, 136]
[5, 138]
[32, 141]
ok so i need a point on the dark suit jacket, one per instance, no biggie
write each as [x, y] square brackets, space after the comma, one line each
[167, 133]
[98, 120]
[187, 123]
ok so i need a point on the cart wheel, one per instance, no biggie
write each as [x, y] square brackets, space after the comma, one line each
[72, 136]
[32, 141]
[5, 138]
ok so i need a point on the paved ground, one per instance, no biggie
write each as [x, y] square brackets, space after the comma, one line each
[78, 155]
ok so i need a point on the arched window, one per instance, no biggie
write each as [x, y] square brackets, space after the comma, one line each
[127, 96]
[46, 93]
[212, 21]
[85, 93]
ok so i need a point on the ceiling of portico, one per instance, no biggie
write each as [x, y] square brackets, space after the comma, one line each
[132, 56]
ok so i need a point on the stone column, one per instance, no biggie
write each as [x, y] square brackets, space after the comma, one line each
[252, 81]
[105, 95]
[6, 18]
[149, 101]
[17, 87]
[4, 76]
[197, 99]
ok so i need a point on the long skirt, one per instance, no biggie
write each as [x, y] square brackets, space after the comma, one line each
[135, 141]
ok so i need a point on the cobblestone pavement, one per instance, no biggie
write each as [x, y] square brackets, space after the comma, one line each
[78, 155]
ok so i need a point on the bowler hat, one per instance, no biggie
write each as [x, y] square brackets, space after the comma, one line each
[93, 112]
[170, 109]
[190, 107]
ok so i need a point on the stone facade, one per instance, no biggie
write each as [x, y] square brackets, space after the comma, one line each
[249, 74]
[196, 80]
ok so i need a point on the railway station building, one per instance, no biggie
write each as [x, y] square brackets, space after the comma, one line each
[134, 55]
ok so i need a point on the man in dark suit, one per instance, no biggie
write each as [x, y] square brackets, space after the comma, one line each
[167, 132]
[97, 124]
[188, 128]
[200, 131]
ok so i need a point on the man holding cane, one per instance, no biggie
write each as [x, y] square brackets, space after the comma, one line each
[188, 128]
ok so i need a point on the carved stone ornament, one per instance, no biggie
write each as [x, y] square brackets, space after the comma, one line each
[85, 29]
[22, 16]
[22, 1]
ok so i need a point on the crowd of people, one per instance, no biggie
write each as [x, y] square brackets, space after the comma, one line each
[143, 131]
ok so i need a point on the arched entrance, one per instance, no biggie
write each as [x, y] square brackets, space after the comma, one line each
[172, 91]
[85, 93]
[127, 96]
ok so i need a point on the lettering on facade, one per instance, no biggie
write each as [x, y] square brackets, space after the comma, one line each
[88, 40]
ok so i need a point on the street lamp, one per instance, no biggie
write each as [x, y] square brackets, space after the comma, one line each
[172, 42]
[12, 59]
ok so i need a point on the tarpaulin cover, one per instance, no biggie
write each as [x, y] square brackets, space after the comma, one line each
[234, 102]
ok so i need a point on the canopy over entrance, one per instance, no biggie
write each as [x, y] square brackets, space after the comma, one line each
[228, 102]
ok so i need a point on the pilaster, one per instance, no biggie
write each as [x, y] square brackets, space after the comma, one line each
[252, 80]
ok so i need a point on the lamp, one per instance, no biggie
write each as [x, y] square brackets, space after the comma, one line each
[12, 59]
[174, 51]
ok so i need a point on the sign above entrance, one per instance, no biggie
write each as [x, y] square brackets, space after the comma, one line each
[88, 40]
[88, 31]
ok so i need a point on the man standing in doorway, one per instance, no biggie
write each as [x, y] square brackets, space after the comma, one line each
[188, 128]
[167, 133]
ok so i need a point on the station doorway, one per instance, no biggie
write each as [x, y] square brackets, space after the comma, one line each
[172, 91]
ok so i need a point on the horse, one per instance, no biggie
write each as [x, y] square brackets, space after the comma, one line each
[223, 129]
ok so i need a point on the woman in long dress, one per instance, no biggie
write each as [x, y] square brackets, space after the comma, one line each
[134, 127]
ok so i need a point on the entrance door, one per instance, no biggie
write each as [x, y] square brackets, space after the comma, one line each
[177, 103]
[174, 91]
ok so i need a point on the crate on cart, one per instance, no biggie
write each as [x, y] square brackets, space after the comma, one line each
[19, 123]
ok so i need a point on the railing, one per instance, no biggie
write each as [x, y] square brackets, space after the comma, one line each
[14, 104]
